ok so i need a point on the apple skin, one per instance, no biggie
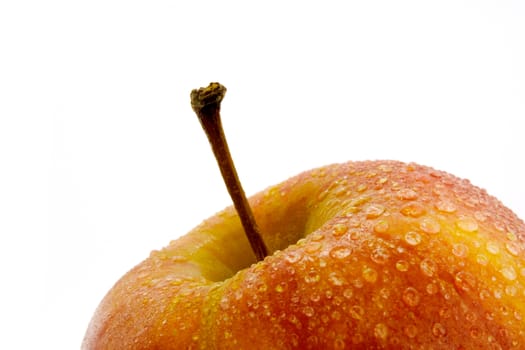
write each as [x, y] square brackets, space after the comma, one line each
[366, 255]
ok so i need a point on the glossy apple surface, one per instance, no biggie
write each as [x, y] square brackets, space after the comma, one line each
[365, 255]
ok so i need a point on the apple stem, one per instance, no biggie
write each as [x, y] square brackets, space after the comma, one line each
[206, 102]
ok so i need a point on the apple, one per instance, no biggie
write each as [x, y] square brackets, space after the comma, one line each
[360, 255]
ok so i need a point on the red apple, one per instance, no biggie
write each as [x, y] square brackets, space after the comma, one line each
[362, 255]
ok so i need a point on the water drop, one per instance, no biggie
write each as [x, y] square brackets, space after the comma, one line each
[361, 188]
[438, 330]
[224, 303]
[509, 273]
[482, 260]
[348, 293]
[428, 267]
[446, 206]
[316, 236]
[374, 211]
[513, 248]
[460, 250]
[279, 288]
[484, 294]
[414, 210]
[406, 194]
[402, 265]
[411, 331]
[339, 230]
[369, 274]
[381, 331]
[511, 290]
[467, 224]
[312, 247]
[308, 311]
[315, 297]
[432, 288]
[413, 238]
[381, 227]
[358, 283]
[336, 279]
[411, 296]
[312, 277]
[357, 312]
[380, 255]
[340, 252]
[492, 248]
[465, 281]
[292, 257]
[475, 332]
[429, 225]
[517, 316]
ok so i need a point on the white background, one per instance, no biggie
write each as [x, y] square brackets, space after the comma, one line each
[102, 159]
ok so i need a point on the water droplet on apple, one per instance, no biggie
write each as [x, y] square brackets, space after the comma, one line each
[446, 206]
[509, 273]
[262, 287]
[317, 236]
[475, 332]
[492, 248]
[361, 188]
[348, 293]
[467, 224]
[336, 279]
[414, 210]
[429, 225]
[406, 194]
[339, 230]
[308, 311]
[315, 297]
[369, 274]
[312, 277]
[339, 344]
[357, 312]
[411, 331]
[438, 330]
[402, 265]
[511, 290]
[312, 247]
[380, 255]
[482, 260]
[465, 281]
[432, 288]
[513, 248]
[428, 267]
[280, 288]
[224, 303]
[292, 257]
[381, 331]
[411, 296]
[340, 252]
[374, 211]
[381, 227]
[413, 238]
[460, 250]
[484, 294]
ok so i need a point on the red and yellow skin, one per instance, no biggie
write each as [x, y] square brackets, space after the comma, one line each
[364, 255]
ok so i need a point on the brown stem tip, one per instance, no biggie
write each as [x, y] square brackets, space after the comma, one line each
[206, 102]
